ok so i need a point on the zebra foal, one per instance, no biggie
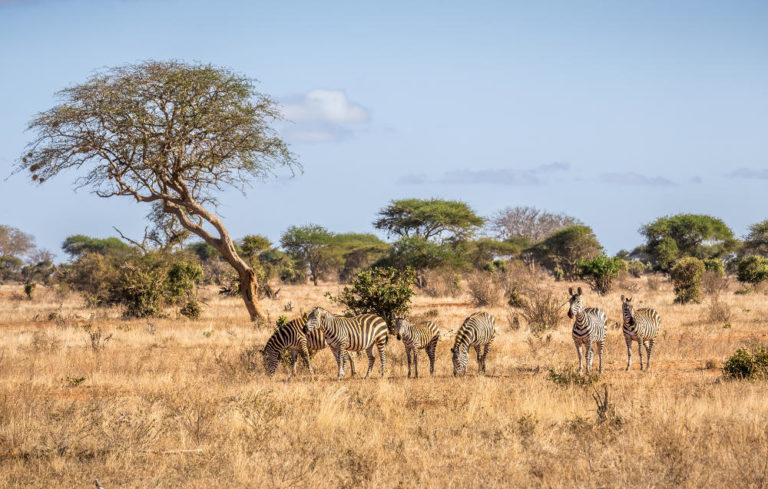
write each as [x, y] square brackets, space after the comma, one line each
[477, 331]
[641, 326]
[342, 334]
[588, 328]
[416, 337]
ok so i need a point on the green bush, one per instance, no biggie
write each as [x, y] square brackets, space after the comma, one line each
[140, 290]
[600, 271]
[386, 292]
[182, 276]
[636, 268]
[191, 309]
[714, 265]
[29, 289]
[747, 365]
[686, 277]
[753, 269]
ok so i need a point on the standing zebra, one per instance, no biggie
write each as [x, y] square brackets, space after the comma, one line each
[641, 326]
[416, 337]
[291, 336]
[343, 335]
[477, 330]
[588, 328]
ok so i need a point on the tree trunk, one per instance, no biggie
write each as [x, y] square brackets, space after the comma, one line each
[248, 288]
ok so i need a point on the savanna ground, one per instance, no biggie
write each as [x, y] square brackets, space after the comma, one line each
[176, 403]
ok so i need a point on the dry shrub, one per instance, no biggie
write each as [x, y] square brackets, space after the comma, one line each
[714, 283]
[653, 283]
[542, 309]
[440, 283]
[483, 289]
[718, 312]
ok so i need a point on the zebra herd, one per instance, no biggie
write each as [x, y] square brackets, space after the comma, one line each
[367, 331]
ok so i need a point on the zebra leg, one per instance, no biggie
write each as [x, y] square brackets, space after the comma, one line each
[294, 354]
[578, 352]
[408, 357]
[340, 354]
[640, 351]
[371, 358]
[479, 359]
[382, 356]
[416, 361]
[351, 365]
[648, 349]
[486, 349]
[431, 354]
[628, 339]
[589, 354]
[305, 355]
[600, 347]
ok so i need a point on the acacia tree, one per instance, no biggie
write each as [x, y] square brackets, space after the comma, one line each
[309, 245]
[166, 132]
[428, 218]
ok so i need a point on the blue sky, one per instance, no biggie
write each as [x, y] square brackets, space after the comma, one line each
[614, 112]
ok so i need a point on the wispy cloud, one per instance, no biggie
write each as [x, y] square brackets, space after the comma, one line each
[498, 176]
[696, 179]
[636, 179]
[322, 115]
[750, 173]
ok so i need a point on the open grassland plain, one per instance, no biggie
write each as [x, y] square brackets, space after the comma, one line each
[86, 395]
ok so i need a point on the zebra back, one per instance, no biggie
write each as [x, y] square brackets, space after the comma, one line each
[419, 335]
[647, 323]
[358, 332]
[478, 329]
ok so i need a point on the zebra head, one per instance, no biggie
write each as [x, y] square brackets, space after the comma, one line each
[270, 362]
[316, 319]
[401, 326]
[459, 356]
[628, 310]
[576, 303]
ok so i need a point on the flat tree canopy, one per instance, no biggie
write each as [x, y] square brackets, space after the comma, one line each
[167, 132]
[428, 218]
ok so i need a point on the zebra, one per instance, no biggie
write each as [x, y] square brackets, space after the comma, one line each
[477, 330]
[641, 326]
[363, 332]
[588, 328]
[416, 337]
[291, 336]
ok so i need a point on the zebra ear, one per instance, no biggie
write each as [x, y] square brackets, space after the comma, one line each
[622, 297]
[579, 290]
[570, 290]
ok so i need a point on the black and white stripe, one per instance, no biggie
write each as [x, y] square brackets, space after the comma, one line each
[478, 330]
[291, 336]
[416, 337]
[588, 329]
[641, 326]
[342, 334]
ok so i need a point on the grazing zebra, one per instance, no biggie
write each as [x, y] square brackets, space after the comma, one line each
[641, 326]
[363, 332]
[416, 337]
[477, 330]
[291, 336]
[588, 328]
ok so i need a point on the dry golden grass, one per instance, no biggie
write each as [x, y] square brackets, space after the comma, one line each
[169, 403]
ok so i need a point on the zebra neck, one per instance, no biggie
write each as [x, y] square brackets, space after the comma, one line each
[580, 319]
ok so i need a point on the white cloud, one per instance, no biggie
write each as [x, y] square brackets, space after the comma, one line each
[322, 115]
[497, 176]
[749, 173]
[631, 178]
